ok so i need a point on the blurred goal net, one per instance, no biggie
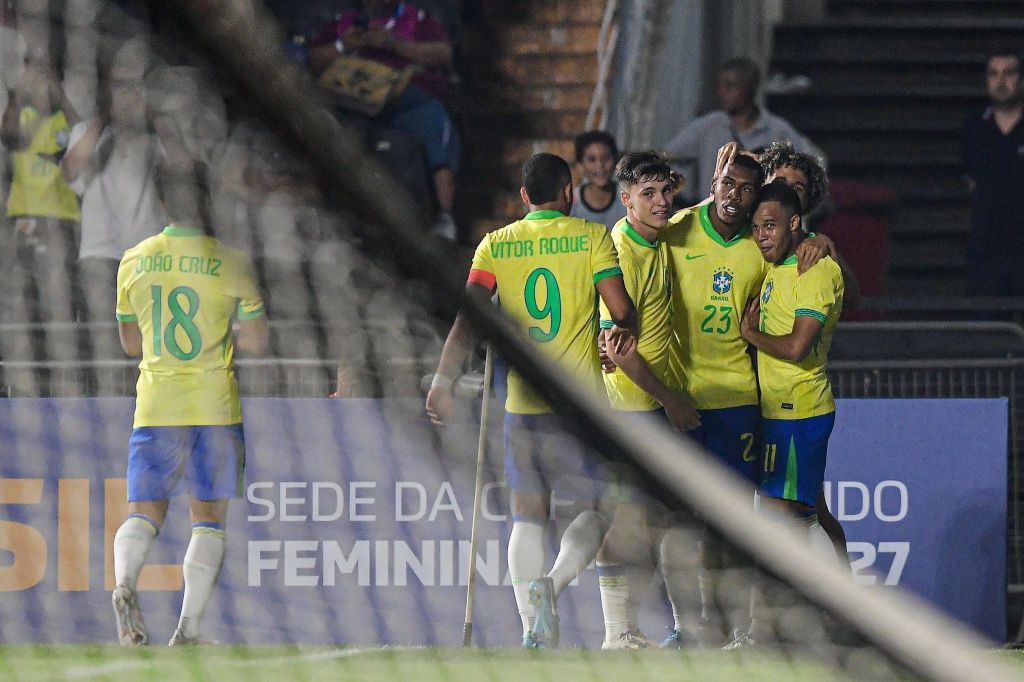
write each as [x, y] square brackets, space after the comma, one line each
[354, 523]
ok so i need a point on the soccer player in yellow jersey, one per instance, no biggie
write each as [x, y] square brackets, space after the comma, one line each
[184, 303]
[717, 269]
[548, 269]
[643, 383]
[791, 325]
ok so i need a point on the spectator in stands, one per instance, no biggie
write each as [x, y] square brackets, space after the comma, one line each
[993, 157]
[399, 34]
[740, 120]
[111, 164]
[596, 198]
[41, 206]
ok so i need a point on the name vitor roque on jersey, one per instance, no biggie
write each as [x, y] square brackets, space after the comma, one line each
[542, 246]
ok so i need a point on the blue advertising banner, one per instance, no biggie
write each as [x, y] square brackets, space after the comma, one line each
[352, 530]
[920, 487]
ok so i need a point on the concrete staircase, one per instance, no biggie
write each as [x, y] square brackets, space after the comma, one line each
[893, 81]
[530, 68]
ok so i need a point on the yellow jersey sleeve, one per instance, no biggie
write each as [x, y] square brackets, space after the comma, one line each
[647, 278]
[123, 308]
[815, 294]
[798, 390]
[604, 258]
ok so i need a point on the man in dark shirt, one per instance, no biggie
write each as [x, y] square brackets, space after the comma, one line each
[993, 156]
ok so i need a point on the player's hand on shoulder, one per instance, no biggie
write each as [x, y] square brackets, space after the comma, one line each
[439, 404]
[682, 415]
[812, 250]
[751, 317]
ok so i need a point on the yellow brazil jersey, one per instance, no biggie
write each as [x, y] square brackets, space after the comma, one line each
[184, 289]
[545, 267]
[714, 281]
[797, 390]
[646, 273]
[38, 187]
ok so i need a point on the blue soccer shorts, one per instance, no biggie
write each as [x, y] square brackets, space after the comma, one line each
[793, 457]
[542, 455]
[730, 434]
[164, 461]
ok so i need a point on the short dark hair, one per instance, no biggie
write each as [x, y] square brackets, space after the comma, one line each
[183, 188]
[584, 140]
[779, 191]
[544, 176]
[750, 163]
[637, 167]
[745, 67]
[781, 154]
[1004, 51]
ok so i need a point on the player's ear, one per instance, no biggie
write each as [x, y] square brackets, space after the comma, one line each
[794, 223]
[525, 197]
[624, 198]
[567, 194]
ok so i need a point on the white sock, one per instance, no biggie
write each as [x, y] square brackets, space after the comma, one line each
[577, 549]
[132, 543]
[203, 560]
[525, 564]
[614, 585]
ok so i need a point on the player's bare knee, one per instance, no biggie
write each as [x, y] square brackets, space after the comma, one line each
[155, 511]
[208, 511]
[679, 549]
[530, 507]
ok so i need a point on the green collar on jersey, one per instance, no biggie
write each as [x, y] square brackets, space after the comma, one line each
[543, 215]
[791, 260]
[709, 228]
[628, 230]
[182, 231]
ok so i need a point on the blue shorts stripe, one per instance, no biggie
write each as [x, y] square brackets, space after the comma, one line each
[793, 457]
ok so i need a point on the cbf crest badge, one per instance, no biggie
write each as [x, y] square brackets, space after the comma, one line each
[721, 282]
[767, 292]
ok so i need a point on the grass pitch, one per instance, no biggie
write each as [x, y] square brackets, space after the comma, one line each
[225, 663]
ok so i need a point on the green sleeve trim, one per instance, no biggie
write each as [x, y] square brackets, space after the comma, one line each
[130, 317]
[609, 272]
[807, 312]
[607, 324]
[243, 315]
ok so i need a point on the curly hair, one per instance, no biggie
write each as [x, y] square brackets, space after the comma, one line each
[781, 154]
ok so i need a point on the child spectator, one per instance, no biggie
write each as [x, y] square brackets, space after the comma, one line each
[596, 198]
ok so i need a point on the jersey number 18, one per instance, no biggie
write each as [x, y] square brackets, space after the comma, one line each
[181, 317]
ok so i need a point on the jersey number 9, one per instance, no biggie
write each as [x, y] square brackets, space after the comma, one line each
[550, 308]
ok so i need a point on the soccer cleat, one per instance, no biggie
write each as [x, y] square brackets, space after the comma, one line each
[742, 640]
[627, 641]
[179, 639]
[545, 627]
[131, 631]
[674, 640]
[529, 642]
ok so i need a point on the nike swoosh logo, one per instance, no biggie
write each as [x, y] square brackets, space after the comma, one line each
[689, 257]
